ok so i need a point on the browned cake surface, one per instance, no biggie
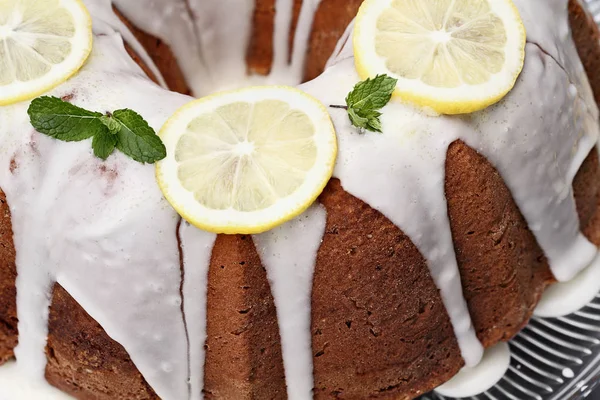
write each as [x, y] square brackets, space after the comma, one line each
[243, 351]
[331, 20]
[8, 274]
[84, 361]
[497, 254]
[379, 328]
[586, 36]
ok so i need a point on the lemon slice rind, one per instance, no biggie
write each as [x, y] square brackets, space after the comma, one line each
[456, 100]
[231, 221]
[81, 45]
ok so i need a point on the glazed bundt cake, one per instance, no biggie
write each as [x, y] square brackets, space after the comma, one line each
[434, 240]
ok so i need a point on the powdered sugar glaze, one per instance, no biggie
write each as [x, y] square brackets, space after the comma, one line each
[104, 232]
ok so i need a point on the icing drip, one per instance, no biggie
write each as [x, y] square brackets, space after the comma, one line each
[14, 385]
[343, 50]
[536, 150]
[548, 148]
[210, 42]
[223, 37]
[301, 38]
[406, 184]
[473, 381]
[196, 247]
[565, 298]
[96, 218]
[171, 21]
[289, 254]
[34, 279]
[101, 9]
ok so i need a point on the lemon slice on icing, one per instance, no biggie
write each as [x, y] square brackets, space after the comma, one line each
[454, 56]
[42, 44]
[247, 161]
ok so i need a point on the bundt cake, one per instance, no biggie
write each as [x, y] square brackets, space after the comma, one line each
[433, 241]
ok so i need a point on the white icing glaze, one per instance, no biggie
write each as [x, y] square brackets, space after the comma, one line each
[171, 21]
[210, 41]
[196, 246]
[536, 150]
[109, 237]
[473, 381]
[567, 297]
[96, 218]
[103, 13]
[289, 254]
[344, 49]
[406, 184]
[14, 385]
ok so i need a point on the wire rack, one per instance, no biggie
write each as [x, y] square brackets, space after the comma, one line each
[551, 359]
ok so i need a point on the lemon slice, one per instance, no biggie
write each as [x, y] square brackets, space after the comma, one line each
[454, 56]
[42, 43]
[247, 161]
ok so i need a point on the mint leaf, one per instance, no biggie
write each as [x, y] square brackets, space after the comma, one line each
[365, 119]
[137, 139]
[372, 93]
[373, 122]
[104, 144]
[113, 126]
[124, 129]
[62, 120]
[357, 120]
[366, 98]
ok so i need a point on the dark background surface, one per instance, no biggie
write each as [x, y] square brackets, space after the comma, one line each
[595, 395]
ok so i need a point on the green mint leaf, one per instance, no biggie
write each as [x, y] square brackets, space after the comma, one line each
[365, 119]
[366, 98]
[113, 126]
[137, 139]
[62, 120]
[372, 93]
[357, 120]
[104, 144]
[373, 122]
[124, 129]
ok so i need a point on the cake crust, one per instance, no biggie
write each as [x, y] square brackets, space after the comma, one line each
[243, 350]
[84, 361]
[8, 292]
[379, 327]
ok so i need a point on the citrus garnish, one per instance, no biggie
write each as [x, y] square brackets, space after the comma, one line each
[42, 44]
[247, 161]
[454, 56]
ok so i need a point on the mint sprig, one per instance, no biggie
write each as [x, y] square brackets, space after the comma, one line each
[124, 130]
[137, 139]
[64, 121]
[104, 144]
[367, 97]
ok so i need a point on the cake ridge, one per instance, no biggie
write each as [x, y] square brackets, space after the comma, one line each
[371, 182]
